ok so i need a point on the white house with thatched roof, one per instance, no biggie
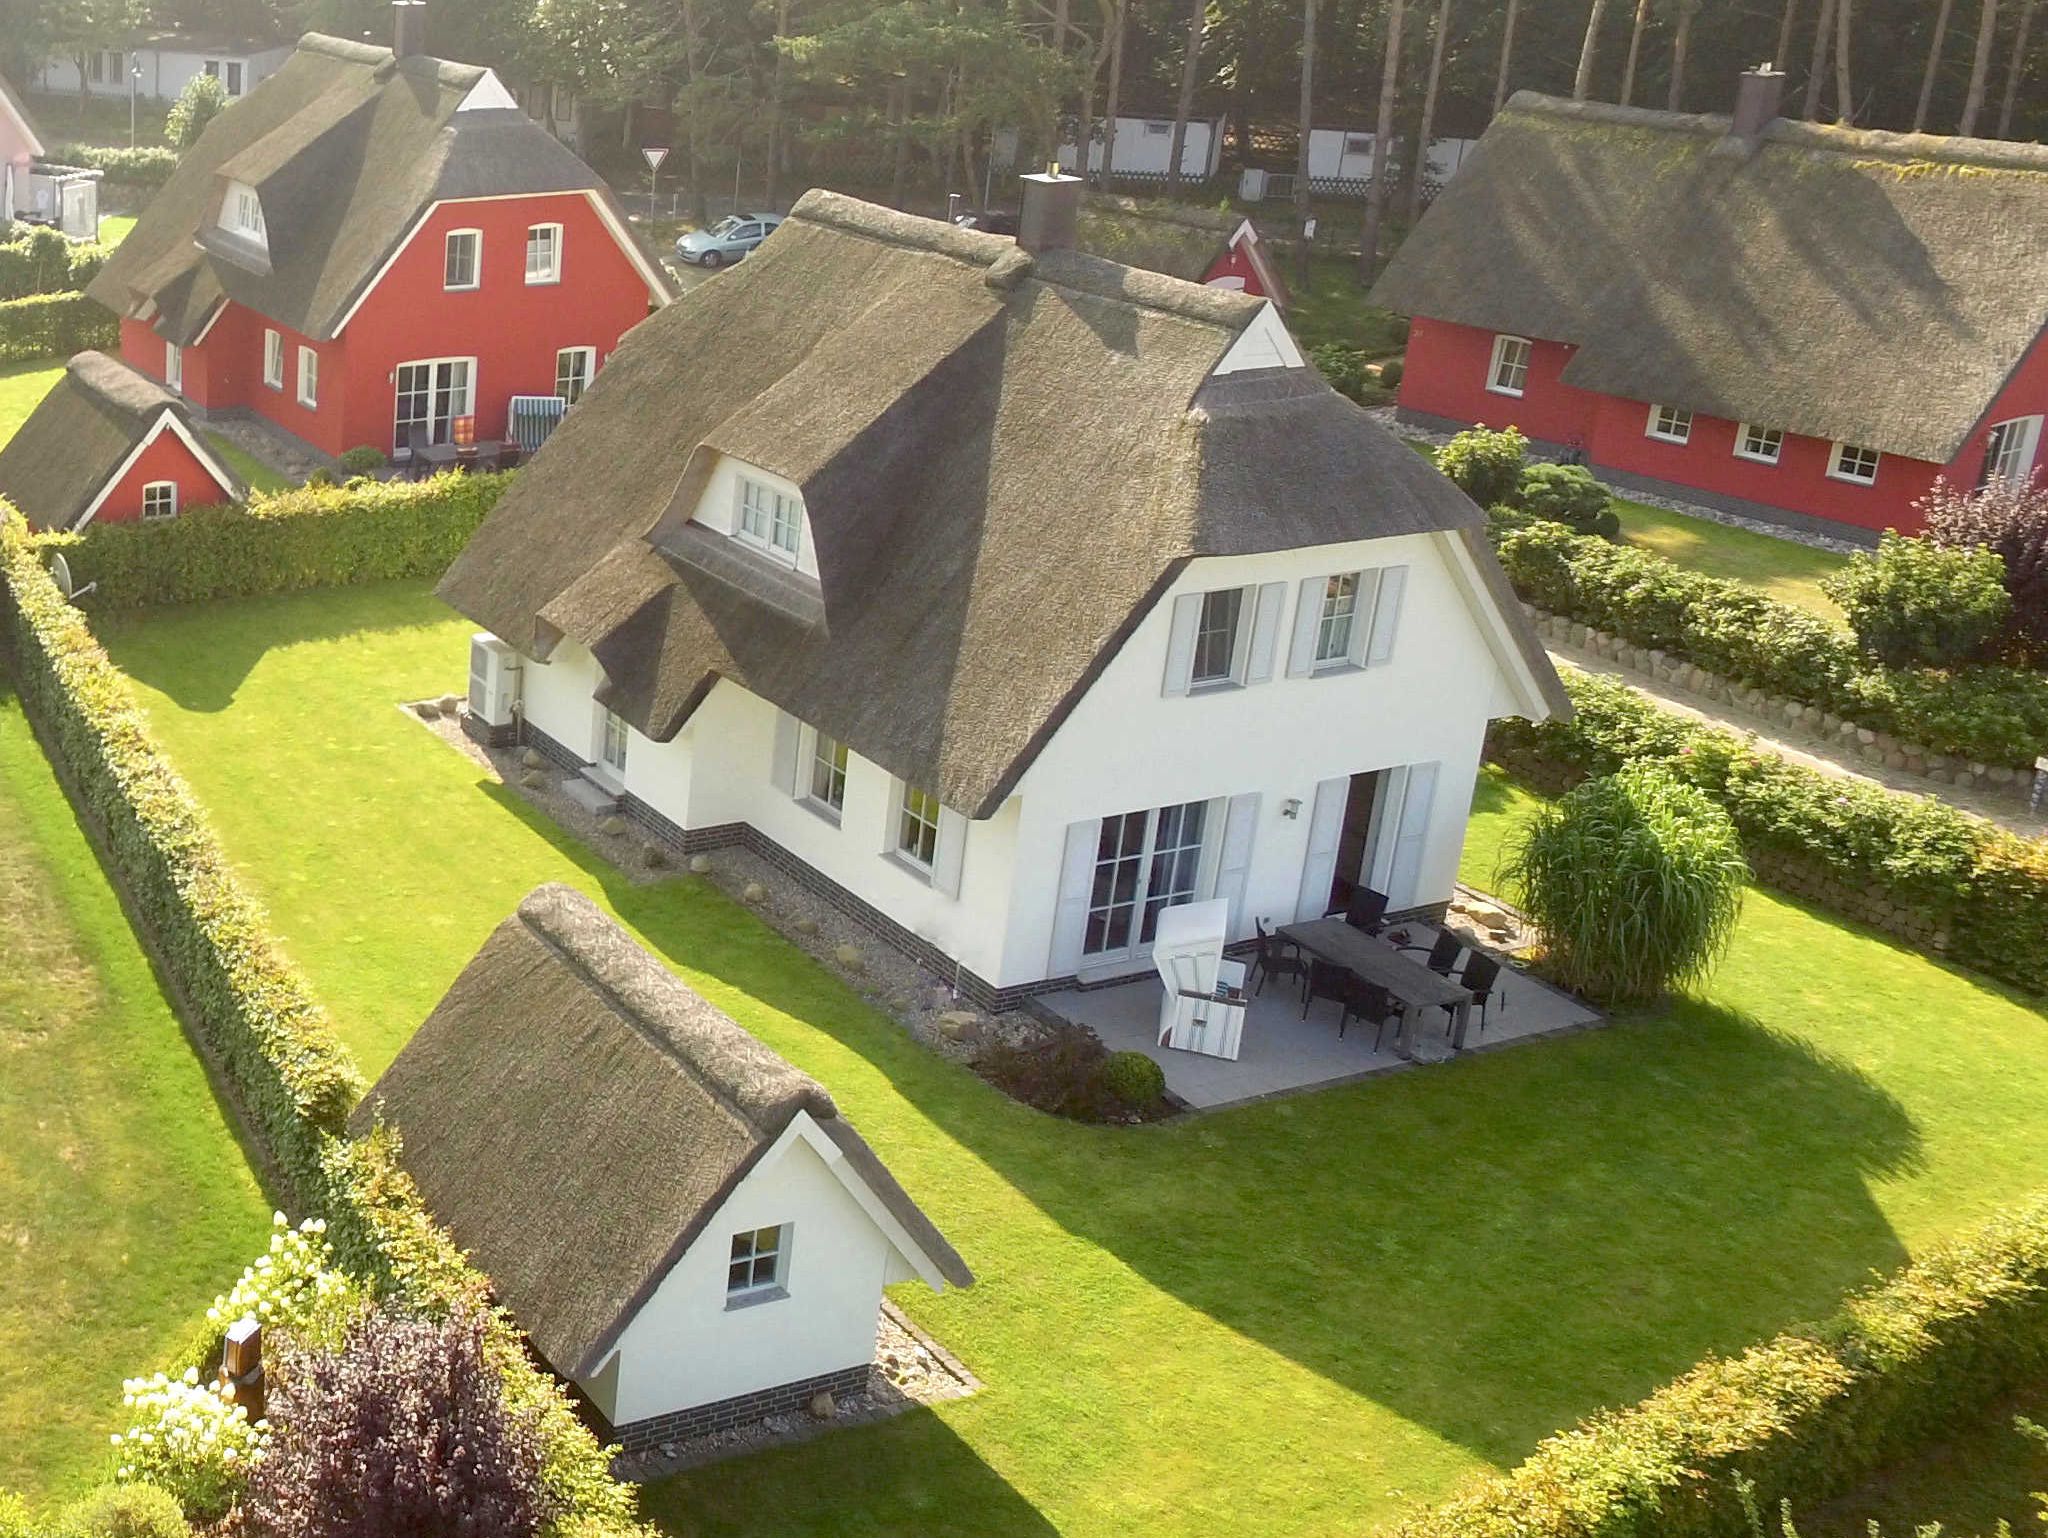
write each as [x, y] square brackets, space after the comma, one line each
[683, 1224]
[1006, 595]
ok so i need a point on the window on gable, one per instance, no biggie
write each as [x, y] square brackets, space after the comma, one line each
[544, 253]
[1338, 621]
[611, 742]
[273, 359]
[159, 500]
[248, 212]
[174, 366]
[1217, 636]
[1508, 374]
[1853, 463]
[462, 260]
[757, 1263]
[770, 520]
[1670, 424]
[917, 827]
[573, 368]
[309, 378]
[1762, 444]
[2009, 453]
[828, 772]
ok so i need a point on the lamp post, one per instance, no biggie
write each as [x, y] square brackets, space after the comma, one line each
[134, 81]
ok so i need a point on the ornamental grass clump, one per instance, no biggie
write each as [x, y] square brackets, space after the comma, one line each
[1635, 880]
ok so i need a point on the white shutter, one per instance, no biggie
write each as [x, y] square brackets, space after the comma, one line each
[1077, 881]
[1240, 825]
[1412, 836]
[950, 852]
[1325, 829]
[1272, 598]
[1386, 614]
[787, 732]
[1308, 615]
[1180, 643]
[1385, 831]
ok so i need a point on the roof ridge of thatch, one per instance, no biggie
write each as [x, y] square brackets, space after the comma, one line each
[346, 49]
[118, 383]
[756, 1084]
[452, 73]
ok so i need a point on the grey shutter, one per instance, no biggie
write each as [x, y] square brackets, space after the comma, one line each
[786, 734]
[1308, 615]
[1077, 881]
[1240, 825]
[1271, 599]
[1325, 829]
[951, 852]
[1386, 614]
[1411, 836]
[1180, 643]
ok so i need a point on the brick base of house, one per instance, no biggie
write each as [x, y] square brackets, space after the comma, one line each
[740, 1410]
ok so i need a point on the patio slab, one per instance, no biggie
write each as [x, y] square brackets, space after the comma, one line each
[1283, 1053]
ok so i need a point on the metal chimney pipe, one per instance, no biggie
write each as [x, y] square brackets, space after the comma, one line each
[1051, 217]
[408, 27]
[1756, 101]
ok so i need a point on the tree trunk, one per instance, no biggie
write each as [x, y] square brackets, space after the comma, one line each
[899, 120]
[1980, 69]
[1122, 11]
[1783, 56]
[1383, 136]
[1305, 118]
[775, 105]
[1817, 71]
[699, 211]
[1681, 47]
[1507, 54]
[1582, 82]
[1845, 27]
[2019, 68]
[1059, 48]
[1635, 52]
[1422, 138]
[1933, 65]
[1190, 62]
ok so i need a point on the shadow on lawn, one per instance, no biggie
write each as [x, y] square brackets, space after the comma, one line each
[1492, 1249]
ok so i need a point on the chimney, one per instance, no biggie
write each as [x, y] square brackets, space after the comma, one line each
[1051, 216]
[408, 27]
[1756, 101]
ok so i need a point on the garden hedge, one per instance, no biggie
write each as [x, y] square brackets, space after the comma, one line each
[1806, 1416]
[40, 261]
[1947, 881]
[316, 536]
[54, 326]
[1991, 715]
[145, 165]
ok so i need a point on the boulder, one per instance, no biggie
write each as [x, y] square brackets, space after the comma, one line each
[613, 826]
[821, 1406]
[959, 1025]
[532, 779]
[653, 856]
[451, 704]
[850, 957]
[806, 925]
[533, 758]
[753, 892]
[428, 710]
[700, 864]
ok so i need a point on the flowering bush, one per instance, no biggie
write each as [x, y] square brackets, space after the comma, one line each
[189, 1440]
[1485, 465]
[2012, 520]
[293, 1282]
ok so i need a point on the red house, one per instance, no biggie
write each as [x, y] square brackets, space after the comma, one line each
[110, 445]
[373, 245]
[1798, 322]
[1202, 245]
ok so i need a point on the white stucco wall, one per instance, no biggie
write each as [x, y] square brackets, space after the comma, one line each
[165, 71]
[1140, 149]
[1346, 154]
[685, 1347]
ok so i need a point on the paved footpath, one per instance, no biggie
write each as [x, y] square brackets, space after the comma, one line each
[1805, 748]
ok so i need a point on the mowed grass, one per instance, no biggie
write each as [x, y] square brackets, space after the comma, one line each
[22, 388]
[1782, 568]
[125, 1203]
[1290, 1319]
[255, 474]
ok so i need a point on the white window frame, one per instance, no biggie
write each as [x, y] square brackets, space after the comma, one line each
[273, 359]
[231, 77]
[588, 355]
[476, 261]
[309, 378]
[1240, 640]
[755, 1290]
[552, 272]
[1344, 656]
[1147, 857]
[779, 512]
[1669, 424]
[246, 210]
[1744, 431]
[1835, 471]
[174, 367]
[2017, 441]
[169, 487]
[398, 439]
[909, 809]
[614, 741]
[813, 761]
[1501, 344]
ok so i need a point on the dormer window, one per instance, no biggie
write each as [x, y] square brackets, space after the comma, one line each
[241, 214]
[769, 520]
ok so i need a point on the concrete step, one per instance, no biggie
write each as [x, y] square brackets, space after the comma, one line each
[593, 795]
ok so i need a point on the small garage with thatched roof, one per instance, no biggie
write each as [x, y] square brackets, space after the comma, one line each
[681, 1221]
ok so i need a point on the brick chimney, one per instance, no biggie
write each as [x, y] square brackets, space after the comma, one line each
[408, 27]
[1756, 101]
[1051, 215]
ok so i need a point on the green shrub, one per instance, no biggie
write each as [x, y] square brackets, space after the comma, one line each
[144, 166]
[15, 1521]
[55, 326]
[362, 459]
[320, 475]
[1567, 494]
[317, 536]
[125, 1511]
[1913, 603]
[1061, 1071]
[1134, 1080]
[202, 100]
[1486, 465]
[2013, 520]
[1800, 1418]
[1635, 880]
[41, 261]
[1344, 367]
[1391, 374]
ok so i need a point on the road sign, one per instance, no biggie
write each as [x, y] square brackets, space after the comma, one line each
[654, 154]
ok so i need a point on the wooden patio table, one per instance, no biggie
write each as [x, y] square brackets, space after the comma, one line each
[1412, 984]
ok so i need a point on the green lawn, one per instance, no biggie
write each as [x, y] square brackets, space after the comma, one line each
[1289, 1319]
[67, 118]
[125, 1204]
[1788, 571]
[254, 472]
[22, 387]
[114, 228]
[1331, 307]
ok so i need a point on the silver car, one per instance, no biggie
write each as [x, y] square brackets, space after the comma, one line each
[726, 241]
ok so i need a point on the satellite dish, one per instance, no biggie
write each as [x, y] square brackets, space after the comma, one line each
[60, 573]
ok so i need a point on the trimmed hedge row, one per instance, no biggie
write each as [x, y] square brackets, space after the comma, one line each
[1992, 715]
[145, 165]
[40, 261]
[1805, 1416]
[1955, 883]
[316, 536]
[55, 326]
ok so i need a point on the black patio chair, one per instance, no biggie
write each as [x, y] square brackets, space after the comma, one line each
[416, 447]
[1369, 1001]
[1367, 910]
[1481, 974]
[1325, 980]
[1278, 957]
[1443, 955]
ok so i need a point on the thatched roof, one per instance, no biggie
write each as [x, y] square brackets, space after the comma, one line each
[1004, 460]
[575, 1115]
[1174, 238]
[346, 145]
[1871, 287]
[81, 433]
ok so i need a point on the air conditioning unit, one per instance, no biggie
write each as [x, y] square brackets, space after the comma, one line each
[493, 682]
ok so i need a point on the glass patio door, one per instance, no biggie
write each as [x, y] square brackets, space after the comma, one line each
[430, 397]
[1145, 862]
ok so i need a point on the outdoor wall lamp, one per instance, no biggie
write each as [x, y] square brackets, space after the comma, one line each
[1291, 807]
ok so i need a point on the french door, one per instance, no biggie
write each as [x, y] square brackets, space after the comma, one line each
[430, 397]
[1145, 862]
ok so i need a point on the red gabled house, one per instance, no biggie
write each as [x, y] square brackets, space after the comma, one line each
[374, 245]
[1202, 245]
[108, 445]
[1795, 321]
